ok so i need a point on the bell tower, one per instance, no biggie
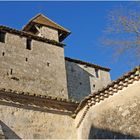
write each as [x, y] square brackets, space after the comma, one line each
[42, 26]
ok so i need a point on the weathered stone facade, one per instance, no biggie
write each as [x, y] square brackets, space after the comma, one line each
[36, 70]
[48, 33]
[82, 79]
[39, 68]
[22, 123]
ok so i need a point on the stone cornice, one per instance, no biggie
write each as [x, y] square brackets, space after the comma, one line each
[31, 36]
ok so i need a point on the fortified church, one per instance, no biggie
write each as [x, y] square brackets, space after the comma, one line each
[45, 95]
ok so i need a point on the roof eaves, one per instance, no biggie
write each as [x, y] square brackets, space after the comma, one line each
[26, 34]
[86, 63]
[24, 27]
[49, 102]
[56, 24]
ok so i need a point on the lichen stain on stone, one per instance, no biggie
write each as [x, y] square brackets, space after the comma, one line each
[122, 118]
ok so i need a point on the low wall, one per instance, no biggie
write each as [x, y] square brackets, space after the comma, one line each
[24, 123]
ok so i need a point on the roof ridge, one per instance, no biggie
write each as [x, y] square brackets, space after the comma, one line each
[30, 20]
[55, 23]
[40, 14]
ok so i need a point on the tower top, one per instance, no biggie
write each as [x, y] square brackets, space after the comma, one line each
[42, 20]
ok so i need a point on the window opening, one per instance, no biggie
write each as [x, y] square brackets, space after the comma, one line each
[28, 44]
[2, 37]
[11, 72]
[97, 73]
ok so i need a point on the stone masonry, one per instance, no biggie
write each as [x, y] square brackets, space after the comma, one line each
[36, 70]
[83, 80]
[45, 95]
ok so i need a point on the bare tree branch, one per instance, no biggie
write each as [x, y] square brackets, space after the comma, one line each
[123, 31]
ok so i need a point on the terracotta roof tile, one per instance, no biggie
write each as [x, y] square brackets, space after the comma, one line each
[49, 102]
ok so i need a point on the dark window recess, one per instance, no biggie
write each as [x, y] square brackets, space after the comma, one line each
[33, 30]
[2, 37]
[26, 59]
[11, 72]
[48, 64]
[28, 44]
[93, 86]
[3, 53]
[80, 83]
[97, 73]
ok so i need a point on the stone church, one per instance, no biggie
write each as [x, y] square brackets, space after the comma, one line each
[45, 95]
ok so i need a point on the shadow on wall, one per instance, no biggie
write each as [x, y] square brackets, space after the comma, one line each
[97, 133]
[78, 81]
[8, 132]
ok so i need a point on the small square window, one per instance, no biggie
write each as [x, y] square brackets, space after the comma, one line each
[28, 44]
[2, 37]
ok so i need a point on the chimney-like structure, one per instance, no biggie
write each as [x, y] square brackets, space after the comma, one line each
[42, 26]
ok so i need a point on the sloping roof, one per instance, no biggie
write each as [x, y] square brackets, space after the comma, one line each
[45, 21]
[28, 35]
[86, 63]
[38, 101]
[108, 91]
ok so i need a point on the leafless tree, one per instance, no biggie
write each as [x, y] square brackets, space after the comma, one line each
[123, 31]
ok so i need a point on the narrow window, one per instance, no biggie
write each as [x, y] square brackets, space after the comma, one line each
[26, 59]
[28, 44]
[2, 37]
[3, 53]
[11, 72]
[97, 73]
[48, 64]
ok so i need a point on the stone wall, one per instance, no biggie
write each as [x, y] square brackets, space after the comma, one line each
[40, 70]
[82, 80]
[115, 117]
[49, 33]
[20, 123]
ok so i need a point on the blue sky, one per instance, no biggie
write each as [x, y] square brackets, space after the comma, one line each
[86, 21]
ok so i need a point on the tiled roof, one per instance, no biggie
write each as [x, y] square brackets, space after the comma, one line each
[45, 21]
[86, 63]
[108, 91]
[38, 101]
[28, 35]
